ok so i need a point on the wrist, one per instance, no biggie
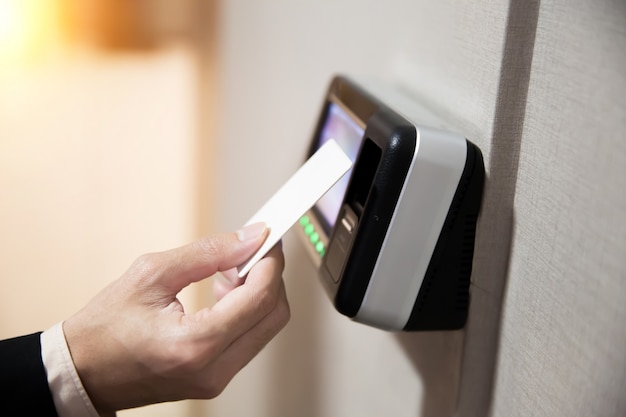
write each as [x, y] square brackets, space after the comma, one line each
[80, 347]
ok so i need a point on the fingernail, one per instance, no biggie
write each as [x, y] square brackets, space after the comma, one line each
[251, 231]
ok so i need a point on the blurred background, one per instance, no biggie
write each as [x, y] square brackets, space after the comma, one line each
[130, 126]
[106, 130]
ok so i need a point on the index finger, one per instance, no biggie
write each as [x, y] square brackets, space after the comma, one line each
[177, 268]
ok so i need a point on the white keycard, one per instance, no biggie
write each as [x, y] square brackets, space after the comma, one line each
[318, 174]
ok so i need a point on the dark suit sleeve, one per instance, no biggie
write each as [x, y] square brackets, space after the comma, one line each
[23, 382]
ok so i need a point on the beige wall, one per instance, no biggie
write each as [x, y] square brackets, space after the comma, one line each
[563, 335]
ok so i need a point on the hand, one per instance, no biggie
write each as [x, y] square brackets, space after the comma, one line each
[134, 345]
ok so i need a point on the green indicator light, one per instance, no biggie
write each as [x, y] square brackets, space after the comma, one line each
[308, 229]
[315, 237]
[319, 248]
[304, 220]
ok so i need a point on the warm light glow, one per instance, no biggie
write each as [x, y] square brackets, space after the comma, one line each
[10, 24]
[27, 28]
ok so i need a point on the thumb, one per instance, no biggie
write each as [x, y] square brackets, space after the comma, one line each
[205, 257]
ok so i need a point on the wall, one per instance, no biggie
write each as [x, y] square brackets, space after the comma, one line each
[551, 233]
[563, 335]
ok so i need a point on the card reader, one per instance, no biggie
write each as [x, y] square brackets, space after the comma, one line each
[393, 241]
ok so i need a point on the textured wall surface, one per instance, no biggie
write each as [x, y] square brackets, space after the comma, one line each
[563, 338]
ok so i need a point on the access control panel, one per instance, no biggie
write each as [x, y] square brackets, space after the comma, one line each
[393, 240]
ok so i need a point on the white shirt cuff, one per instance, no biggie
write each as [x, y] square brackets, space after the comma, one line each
[68, 393]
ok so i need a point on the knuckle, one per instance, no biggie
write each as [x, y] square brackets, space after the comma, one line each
[279, 258]
[283, 313]
[184, 357]
[208, 245]
[146, 266]
[188, 355]
[274, 303]
[266, 300]
[211, 387]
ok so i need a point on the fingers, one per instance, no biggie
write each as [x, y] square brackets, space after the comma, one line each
[229, 280]
[177, 268]
[225, 282]
[243, 349]
[246, 305]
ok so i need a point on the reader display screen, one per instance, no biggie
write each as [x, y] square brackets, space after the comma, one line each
[348, 134]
